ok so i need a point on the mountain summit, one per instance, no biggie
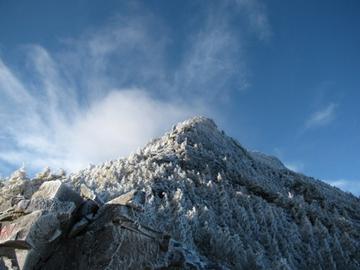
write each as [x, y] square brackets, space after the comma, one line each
[208, 203]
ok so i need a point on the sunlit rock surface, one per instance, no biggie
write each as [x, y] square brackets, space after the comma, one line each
[192, 199]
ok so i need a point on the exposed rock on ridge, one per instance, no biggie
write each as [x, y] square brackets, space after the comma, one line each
[214, 205]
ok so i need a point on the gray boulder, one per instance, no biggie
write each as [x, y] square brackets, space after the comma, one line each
[33, 228]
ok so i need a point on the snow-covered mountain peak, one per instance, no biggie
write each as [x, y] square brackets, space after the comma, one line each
[226, 204]
[192, 138]
[196, 121]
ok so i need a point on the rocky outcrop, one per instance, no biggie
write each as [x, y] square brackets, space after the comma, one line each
[57, 228]
[32, 227]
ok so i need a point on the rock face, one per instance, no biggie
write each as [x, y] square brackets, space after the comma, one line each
[33, 227]
[192, 199]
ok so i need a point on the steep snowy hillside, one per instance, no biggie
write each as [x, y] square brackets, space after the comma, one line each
[229, 208]
[231, 205]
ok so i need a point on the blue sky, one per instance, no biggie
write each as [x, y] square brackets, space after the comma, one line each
[88, 81]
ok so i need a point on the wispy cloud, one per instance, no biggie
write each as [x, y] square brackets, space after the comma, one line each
[295, 166]
[347, 185]
[108, 128]
[110, 90]
[45, 124]
[214, 63]
[322, 117]
[257, 17]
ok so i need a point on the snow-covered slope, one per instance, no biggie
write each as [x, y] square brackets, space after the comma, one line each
[240, 208]
[230, 206]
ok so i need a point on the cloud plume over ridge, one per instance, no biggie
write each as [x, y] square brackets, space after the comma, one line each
[110, 90]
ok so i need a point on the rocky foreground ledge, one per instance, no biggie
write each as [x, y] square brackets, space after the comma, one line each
[45, 224]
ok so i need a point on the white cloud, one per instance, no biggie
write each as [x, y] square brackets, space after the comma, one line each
[352, 186]
[45, 124]
[73, 111]
[111, 127]
[111, 90]
[213, 62]
[12, 89]
[322, 117]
